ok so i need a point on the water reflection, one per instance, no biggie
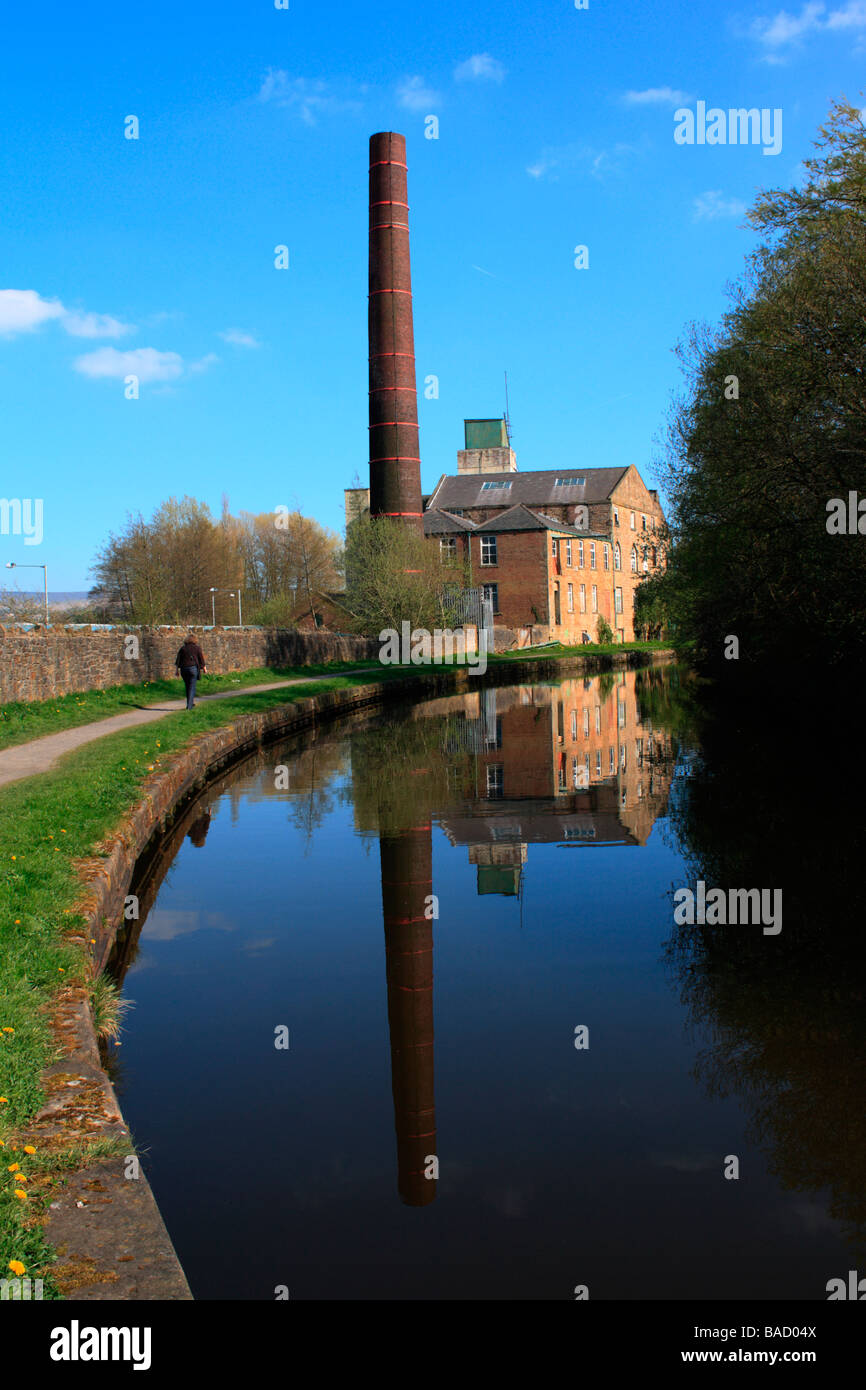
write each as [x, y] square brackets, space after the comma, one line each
[576, 764]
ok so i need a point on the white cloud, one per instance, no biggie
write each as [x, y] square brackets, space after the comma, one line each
[307, 98]
[783, 34]
[657, 96]
[480, 66]
[203, 363]
[710, 206]
[239, 339]
[599, 163]
[147, 364]
[95, 326]
[415, 95]
[22, 311]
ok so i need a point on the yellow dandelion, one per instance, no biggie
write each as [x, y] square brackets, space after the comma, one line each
[13, 1167]
[8, 1030]
[29, 1149]
[20, 1194]
[17, 1267]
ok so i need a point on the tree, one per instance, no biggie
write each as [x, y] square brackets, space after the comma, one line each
[395, 575]
[772, 427]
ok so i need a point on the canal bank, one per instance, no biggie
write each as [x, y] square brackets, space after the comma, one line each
[105, 1223]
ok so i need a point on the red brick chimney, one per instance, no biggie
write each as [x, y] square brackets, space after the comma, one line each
[395, 464]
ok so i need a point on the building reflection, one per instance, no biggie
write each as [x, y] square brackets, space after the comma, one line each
[575, 764]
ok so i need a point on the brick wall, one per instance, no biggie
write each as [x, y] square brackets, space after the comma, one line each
[40, 664]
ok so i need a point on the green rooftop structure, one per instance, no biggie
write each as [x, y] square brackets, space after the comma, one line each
[485, 434]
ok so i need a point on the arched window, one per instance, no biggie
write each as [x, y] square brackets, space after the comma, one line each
[617, 558]
[634, 559]
[645, 563]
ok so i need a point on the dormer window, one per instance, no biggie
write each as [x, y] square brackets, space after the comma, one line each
[571, 481]
[488, 487]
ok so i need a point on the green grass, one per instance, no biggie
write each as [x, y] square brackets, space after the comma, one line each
[25, 720]
[47, 824]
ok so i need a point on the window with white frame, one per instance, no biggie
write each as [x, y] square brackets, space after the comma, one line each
[448, 547]
[592, 555]
[634, 559]
[568, 552]
[606, 555]
[488, 550]
[617, 557]
[632, 521]
[617, 600]
[580, 554]
[595, 598]
[582, 598]
[571, 598]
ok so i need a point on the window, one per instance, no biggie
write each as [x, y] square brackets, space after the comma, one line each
[574, 724]
[616, 516]
[488, 550]
[494, 781]
[645, 560]
[554, 548]
[617, 600]
[606, 553]
[586, 723]
[634, 559]
[643, 523]
[622, 757]
[632, 516]
[595, 598]
[499, 483]
[580, 554]
[582, 597]
[598, 719]
[571, 598]
[568, 552]
[575, 779]
[598, 762]
[491, 592]
[611, 761]
[572, 481]
[455, 511]
[620, 713]
[592, 555]
[617, 557]
[448, 547]
[557, 611]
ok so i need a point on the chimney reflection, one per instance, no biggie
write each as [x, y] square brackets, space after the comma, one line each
[407, 883]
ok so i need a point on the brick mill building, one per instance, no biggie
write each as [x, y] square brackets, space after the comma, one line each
[553, 549]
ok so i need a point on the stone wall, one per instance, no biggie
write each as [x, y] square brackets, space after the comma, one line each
[40, 664]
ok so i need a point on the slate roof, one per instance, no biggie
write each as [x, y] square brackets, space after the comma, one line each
[438, 523]
[519, 518]
[535, 489]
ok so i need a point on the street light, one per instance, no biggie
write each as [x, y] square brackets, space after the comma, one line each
[14, 565]
[231, 594]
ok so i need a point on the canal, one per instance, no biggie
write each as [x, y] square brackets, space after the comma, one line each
[412, 1017]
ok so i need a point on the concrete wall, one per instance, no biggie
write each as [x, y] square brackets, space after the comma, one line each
[40, 663]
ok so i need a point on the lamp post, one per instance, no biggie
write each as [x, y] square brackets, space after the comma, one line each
[14, 565]
[231, 594]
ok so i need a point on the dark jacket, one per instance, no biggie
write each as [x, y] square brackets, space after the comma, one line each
[190, 654]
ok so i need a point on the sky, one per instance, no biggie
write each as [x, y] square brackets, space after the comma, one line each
[155, 256]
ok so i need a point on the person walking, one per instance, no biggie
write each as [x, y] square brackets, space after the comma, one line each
[190, 664]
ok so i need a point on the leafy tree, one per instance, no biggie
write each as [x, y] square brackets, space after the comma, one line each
[395, 575]
[772, 427]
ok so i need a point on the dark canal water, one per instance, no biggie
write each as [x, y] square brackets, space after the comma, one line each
[430, 902]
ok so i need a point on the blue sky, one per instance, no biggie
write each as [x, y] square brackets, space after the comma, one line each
[555, 130]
